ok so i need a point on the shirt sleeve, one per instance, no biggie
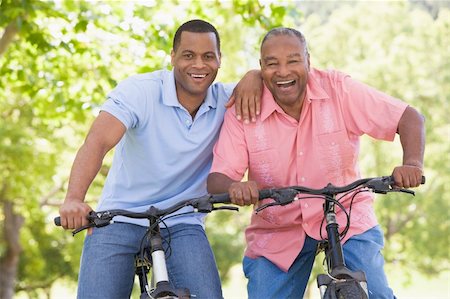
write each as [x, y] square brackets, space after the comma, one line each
[230, 152]
[127, 103]
[369, 111]
[228, 90]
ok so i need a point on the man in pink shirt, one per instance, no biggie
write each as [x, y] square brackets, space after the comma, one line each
[308, 134]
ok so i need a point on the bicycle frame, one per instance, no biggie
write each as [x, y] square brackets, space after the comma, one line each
[159, 286]
[338, 273]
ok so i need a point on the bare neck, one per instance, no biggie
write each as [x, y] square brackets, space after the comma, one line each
[295, 109]
[192, 103]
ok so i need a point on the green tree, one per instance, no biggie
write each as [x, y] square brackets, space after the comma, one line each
[58, 60]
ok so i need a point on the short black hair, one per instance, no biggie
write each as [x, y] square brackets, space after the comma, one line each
[198, 26]
[286, 31]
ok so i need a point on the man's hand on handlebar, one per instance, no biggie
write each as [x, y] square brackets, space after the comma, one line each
[244, 193]
[407, 176]
[73, 214]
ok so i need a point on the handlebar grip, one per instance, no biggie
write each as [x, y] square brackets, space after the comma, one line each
[422, 181]
[220, 198]
[57, 221]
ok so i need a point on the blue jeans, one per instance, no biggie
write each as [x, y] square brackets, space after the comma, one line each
[362, 252]
[107, 261]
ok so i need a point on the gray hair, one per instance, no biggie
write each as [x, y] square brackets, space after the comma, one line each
[289, 32]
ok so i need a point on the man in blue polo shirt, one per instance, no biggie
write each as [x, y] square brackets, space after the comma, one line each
[163, 126]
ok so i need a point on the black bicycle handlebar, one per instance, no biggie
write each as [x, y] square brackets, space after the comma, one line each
[284, 196]
[377, 184]
[205, 204]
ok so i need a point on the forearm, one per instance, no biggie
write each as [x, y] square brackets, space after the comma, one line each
[90, 156]
[218, 183]
[412, 137]
[241, 193]
[86, 165]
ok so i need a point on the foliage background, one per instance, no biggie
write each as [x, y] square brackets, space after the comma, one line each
[58, 60]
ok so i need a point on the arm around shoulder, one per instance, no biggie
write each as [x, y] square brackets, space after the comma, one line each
[247, 96]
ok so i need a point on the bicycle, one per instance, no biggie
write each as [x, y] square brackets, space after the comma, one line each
[339, 281]
[153, 256]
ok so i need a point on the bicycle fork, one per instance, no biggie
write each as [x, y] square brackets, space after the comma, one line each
[160, 277]
[338, 273]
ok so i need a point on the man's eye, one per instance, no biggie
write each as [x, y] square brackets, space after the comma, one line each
[188, 56]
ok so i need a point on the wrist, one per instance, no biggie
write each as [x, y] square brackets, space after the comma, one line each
[413, 163]
[73, 199]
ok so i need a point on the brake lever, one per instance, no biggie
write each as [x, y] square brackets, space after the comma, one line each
[271, 204]
[207, 207]
[231, 208]
[95, 220]
[92, 217]
[395, 190]
[76, 231]
[404, 191]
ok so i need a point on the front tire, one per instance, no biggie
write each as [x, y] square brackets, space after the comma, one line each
[345, 290]
[350, 292]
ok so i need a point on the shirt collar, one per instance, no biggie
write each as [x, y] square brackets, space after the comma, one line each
[268, 104]
[314, 91]
[170, 97]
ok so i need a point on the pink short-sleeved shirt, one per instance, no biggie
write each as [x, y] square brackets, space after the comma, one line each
[320, 148]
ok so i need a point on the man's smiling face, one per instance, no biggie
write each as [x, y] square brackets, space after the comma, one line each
[195, 62]
[284, 68]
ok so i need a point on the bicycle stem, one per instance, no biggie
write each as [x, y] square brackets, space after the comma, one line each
[335, 248]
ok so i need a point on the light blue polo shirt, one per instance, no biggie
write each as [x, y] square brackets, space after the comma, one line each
[165, 155]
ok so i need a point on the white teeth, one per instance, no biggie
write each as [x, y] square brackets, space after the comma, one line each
[198, 76]
[285, 82]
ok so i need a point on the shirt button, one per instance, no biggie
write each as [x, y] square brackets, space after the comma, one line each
[306, 224]
[300, 153]
[333, 143]
[303, 179]
[306, 205]
[188, 122]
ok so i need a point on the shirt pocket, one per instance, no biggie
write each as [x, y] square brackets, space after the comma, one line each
[337, 154]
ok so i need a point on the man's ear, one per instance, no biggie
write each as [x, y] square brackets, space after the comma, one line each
[172, 55]
[309, 64]
[260, 64]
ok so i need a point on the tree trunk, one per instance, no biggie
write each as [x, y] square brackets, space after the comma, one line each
[7, 37]
[10, 261]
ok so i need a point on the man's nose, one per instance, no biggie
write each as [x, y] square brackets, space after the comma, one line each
[198, 62]
[282, 70]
